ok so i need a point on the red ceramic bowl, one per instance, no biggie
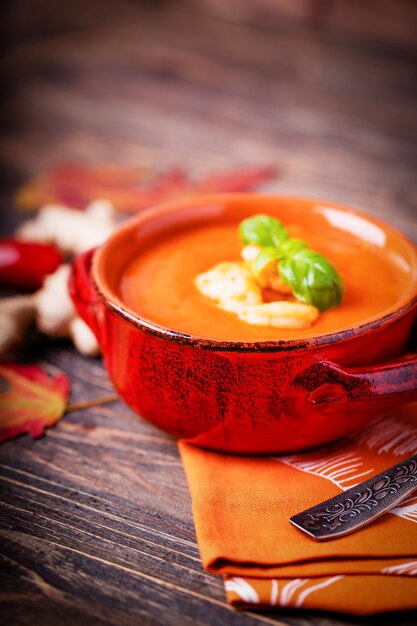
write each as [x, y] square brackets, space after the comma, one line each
[261, 397]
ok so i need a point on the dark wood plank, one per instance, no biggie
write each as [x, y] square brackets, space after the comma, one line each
[102, 509]
[95, 518]
[176, 88]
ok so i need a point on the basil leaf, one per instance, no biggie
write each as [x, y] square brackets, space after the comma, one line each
[264, 258]
[262, 230]
[291, 246]
[312, 279]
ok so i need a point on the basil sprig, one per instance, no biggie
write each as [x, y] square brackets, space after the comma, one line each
[312, 278]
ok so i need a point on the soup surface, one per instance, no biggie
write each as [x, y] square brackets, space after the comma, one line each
[159, 282]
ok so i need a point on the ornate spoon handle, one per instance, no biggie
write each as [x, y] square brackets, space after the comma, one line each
[359, 505]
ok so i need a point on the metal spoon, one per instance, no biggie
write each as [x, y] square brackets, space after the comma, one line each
[359, 505]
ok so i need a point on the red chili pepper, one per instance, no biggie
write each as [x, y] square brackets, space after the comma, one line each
[26, 264]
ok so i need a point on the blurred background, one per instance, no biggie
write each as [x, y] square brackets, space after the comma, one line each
[324, 90]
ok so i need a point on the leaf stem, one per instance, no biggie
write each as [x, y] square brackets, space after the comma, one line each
[87, 404]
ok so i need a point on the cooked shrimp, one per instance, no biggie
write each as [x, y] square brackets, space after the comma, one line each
[250, 252]
[269, 276]
[235, 289]
[231, 284]
[279, 314]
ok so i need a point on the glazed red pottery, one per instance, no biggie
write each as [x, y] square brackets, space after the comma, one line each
[262, 397]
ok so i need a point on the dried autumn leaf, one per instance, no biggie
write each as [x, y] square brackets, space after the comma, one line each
[131, 189]
[33, 400]
[77, 185]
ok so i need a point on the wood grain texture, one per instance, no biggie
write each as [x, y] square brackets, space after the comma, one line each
[95, 518]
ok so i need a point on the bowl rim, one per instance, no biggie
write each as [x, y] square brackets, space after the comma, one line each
[116, 305]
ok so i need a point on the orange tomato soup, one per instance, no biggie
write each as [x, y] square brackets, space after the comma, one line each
[159, 282]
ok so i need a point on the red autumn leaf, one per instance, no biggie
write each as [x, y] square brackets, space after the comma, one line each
[131, 189]
[77, 185]
[32, 401]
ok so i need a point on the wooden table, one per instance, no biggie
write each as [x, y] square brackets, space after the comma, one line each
[95, 523]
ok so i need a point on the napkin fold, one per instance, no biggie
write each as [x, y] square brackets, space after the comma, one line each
[241, 507]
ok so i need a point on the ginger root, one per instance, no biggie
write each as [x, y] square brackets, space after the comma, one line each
[53, 312]
[51, 307]
[73, 232]
[17, 313]
[56, 315]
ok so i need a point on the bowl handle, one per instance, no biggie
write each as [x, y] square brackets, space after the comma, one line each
[374, 386]
[83, 293]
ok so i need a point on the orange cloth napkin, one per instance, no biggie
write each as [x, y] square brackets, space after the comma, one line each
[241, 507]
